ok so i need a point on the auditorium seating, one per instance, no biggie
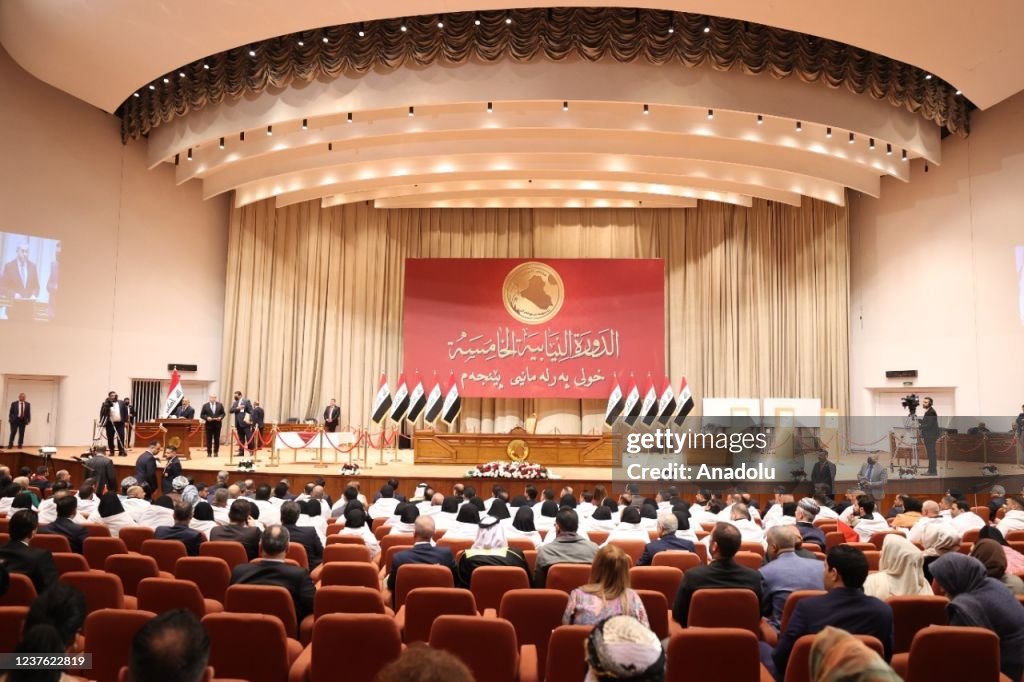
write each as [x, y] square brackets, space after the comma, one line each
[268, 652]
[912, 613]
[265, 599]
[97, 530]
[231, 552]
[101, 590]
[564, 661]
[297, 553]
[664, 579]
[522, 544]
[374, 637]
[51, 541]
[749, 559]
[132, 568]
[20, 592]
[684, 561]
[210, 574]
[798, 669]
[755, 547]
[335, 539]
[411, 576]
[490, 583]
[878, 538]
[108, 637]
[456, 545]
[862, 546]
[161, 594]
[134, 536]
[567, 577]
[725, 608]
[722, 653]
[424, 604]
[948, 652]
[874, 557]
[634, 549]
[67, 562]
[534, 614]
[487, 646]
[598, 537]
[352, 573]
[657, 609]
[97, 549]
[166, 552]
[341, 599]
[973, 534]
[12, 618]
[833, 539]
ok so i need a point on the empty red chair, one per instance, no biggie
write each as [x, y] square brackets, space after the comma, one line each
[411, 576]
[166, 552]
[341, 599]
[863, 546]
[101, 590]
[346, 552]
[67, 562]
[335, 539]
[250, 647]
[487, 646]
[97, 549]
[657, 611]
[353, 573]
[567, 577]
[231, 552]
[565, 661]
[96, 530]
[108, 637]
[634, 549]
[598, 537]
[297, 553]
[12, 619]
[750, 546]
[134, 536]
[684, 561]
[162, 594]
[51, 541]
[132, 568]
[456, 545]
[911, 613]
[20, 592]
[833, 539]
[714, 653]
[210, 573]
[424, 604]
[725, 608]
[664, 579]
[490, 583]
[375, 637]
[948, 652]
[874, 557]
[266, 599]
[534, 614]
[798, 669]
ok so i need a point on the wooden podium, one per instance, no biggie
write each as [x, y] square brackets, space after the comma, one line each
[189, 433]
[431, 447]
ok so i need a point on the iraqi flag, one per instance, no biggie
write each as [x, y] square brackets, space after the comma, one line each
[401, 400]
[381, 401]
[174, 395]
[649, 408]
[433, 408]
[616, 402]
[666, 402]
[452, 402]
[631, 408]
[417, 400]
[685, 403]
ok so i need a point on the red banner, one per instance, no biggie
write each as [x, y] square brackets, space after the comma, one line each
[538, 328]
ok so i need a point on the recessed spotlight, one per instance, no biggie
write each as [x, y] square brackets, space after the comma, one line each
[760, 119]
[349, 120]
[362, 33]
[252, 53]
[181, 74]
[166, 80]
[440, 24]
[412, 111]
[270, 130]
[490, 107]
[647, 109]
[851, 138]
[711, 114]
[565, 105]
[302, 44]
[325, 40]
[904, 157]
[958, 93]
[222, 143]
[927, 76]
[476, 22]
[888, 149]
[828, 133]
[206, 67]
[305, 124]
[799, 127]
[508, 20]
[152, 87]
[707, 26]
[190, 153]
[135, 94]
[871, 143]
[671, 29]
[403, 28]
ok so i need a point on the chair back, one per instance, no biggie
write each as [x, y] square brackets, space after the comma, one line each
[664, 579]
[684, 561]
[108, 637]
[230, 551]
[717, 653]
[211, 574]
[534, 614]
[751, 560]
[395, 541]
[97, 549]
[412, 576]
[347, 599]
[346, 552]
[134, 536]
[1012, 536]
[798, 669]
[725, 608]
[55, 542]
[166, 552]
[163, 594]
[12, 621]
[269, 600]
[374, 636]
[97, 530]
[750, 546]
[101, 590]
[634, 549]
[878, 538]
[863, 546]
[423, 605]
[522, 544]
[911, 613]
[487, 646]
[954, 653]
[20, 592]
[565, 661]
[490, 583]
[352, 574]
[336, 539]
[381, 531]
[874, 558]
[262, 639]
[983, 512]
[456, 545]
[833, 539]
[657, 611]
[567, 577]
[598, 537]
[791, 601]
[67, 562]
[131, 569]
[297, 553]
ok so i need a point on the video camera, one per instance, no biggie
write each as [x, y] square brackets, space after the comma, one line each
[911, 402]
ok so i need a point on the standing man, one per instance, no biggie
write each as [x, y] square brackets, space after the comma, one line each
[872, 478]
[212, 415]
[185, 410]
[258, 416]
[113, 415]
[930, 434]
[1019, 430]
[20, 416]
[129, 425]
[331, 416]
[145, 469]
[20, 277]
[100, 468]
[824, 473]
[242, 409]
[171, 470]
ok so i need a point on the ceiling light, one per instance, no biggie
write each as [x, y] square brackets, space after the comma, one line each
[927, 76]
[305, 124]
[403, 28]
[412, 111]
[206, 66]
[301, 44]
[190, 153]
[270, 130]
[828, 133]
[490, 107]
[181, 74]
[362, 33]
[166, 80]
[476, 22]
[958, 92]
[440, 24]
[671, 29]
[707, 26]
[135, 94]
[252, 53]
[851, 138]
[508, 20]
[799, 127]
[325, 39]
[888, 149]
[711, 114]
[904, 158]
[349, 117]
[152, 87]
[222, 143]
[565, 106]
[647, 109]
[241, 136]
[871, 143]
[760, 119]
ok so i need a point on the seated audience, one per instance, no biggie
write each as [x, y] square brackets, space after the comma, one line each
[305, 536]
[34, 562]
[420, 663]
[67, 510]
[202, 518]
[238, 529]
[601, 520]
[911, 513]
[423, 551]
[930, 513]
[545, 518]
[135, 502]
[977, 600]
[776, 512]
[63, 608]
[900, 570]
[160, 513]
[522, 526]
[937, 539]
[623, 648]
[963, 518]
[740, 518]
[357, 524]
[466, 523]
[629, 527]
[489, 549]
[173, 647]
[1014, 518]
[312, 515]
[384, 506]
[110, 513]
[568, 547]
[668, 524]
[838, 655]
[723, 571]
[1014, 559]
[865, 520]
[272, 570]
[407, 515]
[268, 511]
[785, 572]
[499, 509]
[989, 553]
[607, 594]
[806, 511]
[181, 530]
[178, 485]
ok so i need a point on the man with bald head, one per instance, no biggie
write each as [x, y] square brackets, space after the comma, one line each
[421, 552]
[786, 572]
[930, 513]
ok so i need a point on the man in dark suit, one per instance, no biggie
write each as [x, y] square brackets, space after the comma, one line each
[20, 415]
[421, 552]
[824, 473]
[845, 606]
[18, 557]
[189, 537]
[67, 508]
[237, 529]
[723, 571]
[113, 416]
[171, 471]
[668, 524]
[20, 276]
[258, 418]
[930, 435]
[304, 535]
[100, 468]
[145, 469]
[273, 571]
[212, 414]
[185, 410]
[242, 409]
[129, 425]
[331, 416]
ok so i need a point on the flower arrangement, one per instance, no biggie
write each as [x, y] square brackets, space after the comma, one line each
[349, 469]
[513, 470]
[246, 465]
[798, 474]
[906, 472]
[990, 470]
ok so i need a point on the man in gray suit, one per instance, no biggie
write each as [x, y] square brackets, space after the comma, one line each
[872, 478]
[786, 572]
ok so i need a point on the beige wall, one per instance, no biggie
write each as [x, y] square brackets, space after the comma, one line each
[934, 285]
[143, 261]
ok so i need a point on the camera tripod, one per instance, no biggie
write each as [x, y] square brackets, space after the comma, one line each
[912, 440]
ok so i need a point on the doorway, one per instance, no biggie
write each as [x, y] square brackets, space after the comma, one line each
[41, 393]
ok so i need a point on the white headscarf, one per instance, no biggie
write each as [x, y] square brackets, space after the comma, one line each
[491, 534]
[900, 570]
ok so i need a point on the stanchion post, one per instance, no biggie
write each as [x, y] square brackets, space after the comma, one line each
[232, 437]
[273, 445]
[320, 447]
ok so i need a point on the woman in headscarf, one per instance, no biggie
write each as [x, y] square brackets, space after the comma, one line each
[629, 527]
[607, 594]
[681, 510]
[601, 520]
[899, 570]
[989, 553]
[937, 539]
[522, 526]
[648, 516]
[22, 501]
[1014, 559]
[478, 502]
[838, 656]
[466, 523]
[611, 506]
[110, 512]
[489, 549]
[546, 521]
[979, 601]
[10, 491]
[444, 519]
[356, 524]
[406, 521]
[311, 516]
[160, 513]
[499, 510]
[190, 495]
[202, 519]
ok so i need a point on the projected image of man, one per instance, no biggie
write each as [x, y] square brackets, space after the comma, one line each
[20, 276]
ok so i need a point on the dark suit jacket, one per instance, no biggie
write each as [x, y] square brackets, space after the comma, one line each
[258, 415]
[248, 537]
[292, 578]
[824, 473]
[240, 409]
[12, 279]
[190, 537]
[846, 608]
[719, 573]
[101, 468]
[172, 470]
[75, 533]
[660, 545]
[421, 553]
[145, 471]
[12, 416]
[36, 563]
[105, 412]
[205, 413]
[930, 424]
[332, 414]
[307, 537]
[811, 534]
[183, 412]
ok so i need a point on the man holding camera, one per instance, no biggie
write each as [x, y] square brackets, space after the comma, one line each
[113, 416]
[242, 409]
[930, 434]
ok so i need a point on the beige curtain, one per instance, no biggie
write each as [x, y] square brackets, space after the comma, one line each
[756, 300]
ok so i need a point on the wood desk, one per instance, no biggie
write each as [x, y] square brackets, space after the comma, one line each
[431, 447]
[189, 433]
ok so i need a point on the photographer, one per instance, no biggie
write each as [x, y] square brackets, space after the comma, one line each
[113, 416]
[930, 434]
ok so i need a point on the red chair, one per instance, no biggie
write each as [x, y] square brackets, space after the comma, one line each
[664, 579]
[911, 613]
[411, 576]
[634, 549]
[375, 637]
[266, 599]
[598, 537]
[297, 553]
[567, 577]
[702, 552]
[348, 553]
[424, 604]
[534, 614]
[166, 552]
[716, 653]
[948, 652]
[1012, 536]
[751, 560]
[341, 599]
[863, 546]
[522, 544]
[210, 573]
[378, 522]
[51, 541]
[352, 573]
[456, 545]
[97, 530]
[791, 601]
[833, 539]
[4, 538]
[878, 538]
[20, 592]
[656, 607]
[67, 562]
[725, 608]
[162, 594]
[381, 532]
[108, 637]
[97, 549]
[755, 547]
[565, 661]
[487, 646]
[233, 553]
[12, 620]
[335, 539]
[874, 557]
[490, 583]
[393, 541]
[101, 590]
[983, 512]
[132, 569]
[268, 653]
[134, 536]
[798, 669]
[684, 561]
